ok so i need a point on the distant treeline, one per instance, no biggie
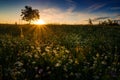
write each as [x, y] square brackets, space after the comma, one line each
[15, 30]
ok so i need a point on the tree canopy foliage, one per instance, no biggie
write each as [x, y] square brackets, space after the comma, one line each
[29, 14]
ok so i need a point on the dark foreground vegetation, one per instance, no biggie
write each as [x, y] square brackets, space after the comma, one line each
[59, 52]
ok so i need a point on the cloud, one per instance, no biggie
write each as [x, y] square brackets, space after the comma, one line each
[72, 5]
[57, 15]
[71, 2]
[69, 16]
[100, 18]
[118, 15]
[115, 8]
[95, 7]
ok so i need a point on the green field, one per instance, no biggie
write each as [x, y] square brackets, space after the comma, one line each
[59, 52]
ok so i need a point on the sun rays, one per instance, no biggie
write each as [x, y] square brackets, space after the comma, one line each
[39, 22]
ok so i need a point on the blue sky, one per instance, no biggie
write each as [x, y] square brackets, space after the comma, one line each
[61, 11]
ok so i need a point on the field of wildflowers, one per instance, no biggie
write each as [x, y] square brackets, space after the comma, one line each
[59, 52]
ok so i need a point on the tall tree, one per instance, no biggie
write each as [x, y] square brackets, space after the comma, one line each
[29, 14]
[90, 21]
[110, 22]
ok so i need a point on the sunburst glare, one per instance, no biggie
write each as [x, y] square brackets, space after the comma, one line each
[39, 22]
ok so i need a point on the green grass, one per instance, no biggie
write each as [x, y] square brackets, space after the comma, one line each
[59, 52]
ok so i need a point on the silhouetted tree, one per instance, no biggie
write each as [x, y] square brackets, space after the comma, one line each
[116, 22]
[100, 23]
[29, 14]
[105, 23]
[110, 22]
[90, 21]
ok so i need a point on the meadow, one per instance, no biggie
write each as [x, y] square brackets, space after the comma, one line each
[59, 52]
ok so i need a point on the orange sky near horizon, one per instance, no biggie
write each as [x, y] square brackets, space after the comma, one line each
[60, 12]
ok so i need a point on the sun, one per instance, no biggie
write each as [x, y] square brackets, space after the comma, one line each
[39, 22]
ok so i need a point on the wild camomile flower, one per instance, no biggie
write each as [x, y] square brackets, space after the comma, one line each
[103, 62]
[40, 71]
[47, 49]
[67, 51]
[57, 64]
[18, 63]
[97, 55]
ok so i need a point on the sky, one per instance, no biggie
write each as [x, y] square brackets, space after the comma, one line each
[61, 11]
